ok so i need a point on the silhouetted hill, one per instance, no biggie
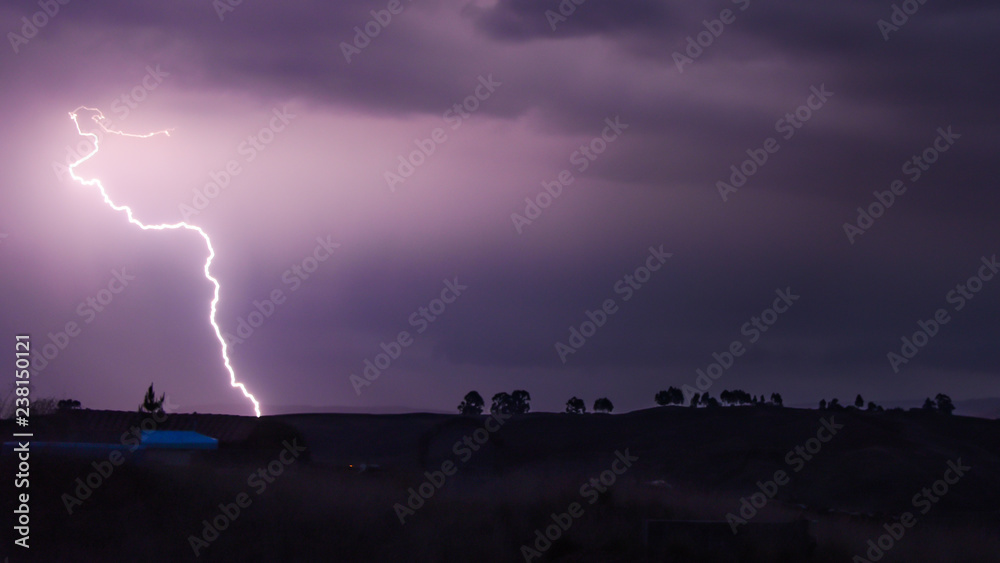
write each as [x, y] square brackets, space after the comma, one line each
[688, 464]
[875, 462]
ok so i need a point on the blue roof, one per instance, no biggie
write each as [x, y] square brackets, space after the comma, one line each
[178, 439]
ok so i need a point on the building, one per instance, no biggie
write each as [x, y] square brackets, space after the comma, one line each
[174, 447]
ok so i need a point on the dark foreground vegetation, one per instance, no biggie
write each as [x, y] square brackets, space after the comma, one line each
[427, 487]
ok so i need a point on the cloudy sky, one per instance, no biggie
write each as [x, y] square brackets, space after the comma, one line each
[490, 177]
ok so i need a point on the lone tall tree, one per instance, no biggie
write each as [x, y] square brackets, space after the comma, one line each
[150, 403]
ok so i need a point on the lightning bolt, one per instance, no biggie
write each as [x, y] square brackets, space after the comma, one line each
[99, 119]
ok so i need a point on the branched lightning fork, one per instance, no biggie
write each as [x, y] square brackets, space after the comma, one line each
[99, 119]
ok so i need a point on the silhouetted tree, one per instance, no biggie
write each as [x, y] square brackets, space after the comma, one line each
[672, 396]
[695, 400]
[41, 406]
[777, 400]
[710, 402]
[603, 405]
[473, 404]
[928, 404]
[944, 403]
[873, 407]
[67, 405]
[676, 395]
[502, 403]
[858, 401]
[576, 406]
[521, 401]
[834, 404]
[150, 403]
[822, 404]
[737, 397]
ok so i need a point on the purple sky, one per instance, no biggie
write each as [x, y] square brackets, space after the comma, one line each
[328, 132]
